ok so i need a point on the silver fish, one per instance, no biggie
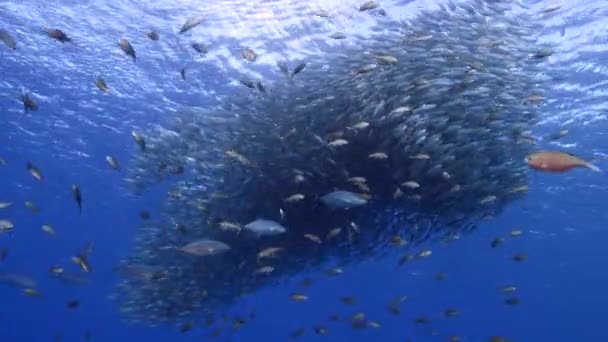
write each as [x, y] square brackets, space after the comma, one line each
[265, 227]
[204, 247]
[341, 199]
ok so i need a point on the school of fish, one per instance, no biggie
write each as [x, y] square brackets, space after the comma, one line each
[422, 130]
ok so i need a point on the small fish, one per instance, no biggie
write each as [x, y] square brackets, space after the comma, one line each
[358, 320]
[410, 185]
[113, 162]
[247, 83]
[425, 254]
[313, 238]
[421, 156]
[422, 319]
[269, 252]
[321, 330]
[297, 333]
[282, 65]
[512, 301]
[488, 199]
[249, 54]
[260, 87]
[543, 53]
[337, 143]
[34, 171]
[306, 282]
[82, 258]
[77, 197]
[551, 8]
[298, 297]
[367, 68]
[29, 104]
[31, 292]
[516, 232]
[153, 35]
[203, 247]
[405, 259]
[441, 276]
[394, 306]
[4, 205]
[82, 262]
[57, 34]
[400, 110]
[520, 257]
[378, 155]
[498, 339]
[229, 226]
[509, 289]
[8, 39]
[102, 85]
[370, 5]
[294, 198]
[558, 135]
[534, 99]
[335, 271]
[265, 227]
[396, 240]
[182, 72]
[341, 199]
[397, 194]
[181, 228]
[298, 69]
[87, 335]
[333, 233]
[56, 270]
[557, 162]
[240, 158]
[6, 226]
[32, 206]
[72, 304]
[351, 300]
[191, 23]
[337, 35]
[47, 228]
[186, 327]
[200, 48]
[451, 312]
[320, 13]
[360, 125]
[374, 324]
[144, 215]
[496, 242]
[387, 59]
[264, 270]
[520, 190]
[127, 48]
[139, 140]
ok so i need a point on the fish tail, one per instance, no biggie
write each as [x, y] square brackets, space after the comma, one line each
[592, 167]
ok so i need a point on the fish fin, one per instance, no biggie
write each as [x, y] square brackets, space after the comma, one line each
[592, 167]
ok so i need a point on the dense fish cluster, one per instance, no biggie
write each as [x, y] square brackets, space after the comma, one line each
[414, 133]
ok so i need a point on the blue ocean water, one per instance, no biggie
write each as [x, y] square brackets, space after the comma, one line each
[563, 217]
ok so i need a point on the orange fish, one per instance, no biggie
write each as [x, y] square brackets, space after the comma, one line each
[557, 162]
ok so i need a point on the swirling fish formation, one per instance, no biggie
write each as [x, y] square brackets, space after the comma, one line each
[417, 132]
